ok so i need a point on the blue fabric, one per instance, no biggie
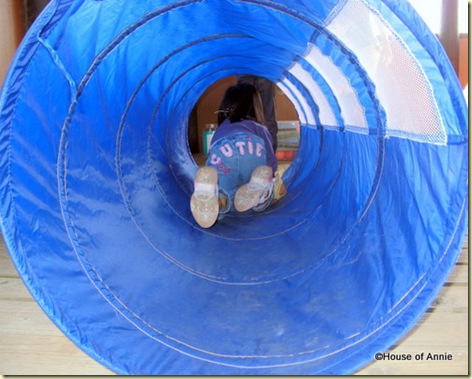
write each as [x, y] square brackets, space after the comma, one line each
[96, 176]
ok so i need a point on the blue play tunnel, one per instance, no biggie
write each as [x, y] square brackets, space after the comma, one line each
[96, 175]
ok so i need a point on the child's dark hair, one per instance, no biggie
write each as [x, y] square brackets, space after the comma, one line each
[241, 102]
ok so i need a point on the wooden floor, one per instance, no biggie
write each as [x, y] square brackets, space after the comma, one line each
[30, 344]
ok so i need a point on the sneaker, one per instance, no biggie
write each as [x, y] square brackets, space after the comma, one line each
[204, 201]
[256, 191]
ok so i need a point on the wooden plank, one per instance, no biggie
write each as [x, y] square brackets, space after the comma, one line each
[32, 345]
[459, 275]
[438, 331]
[452, 299]
[13, 289]
[430, 338]
[464, 256]
[6, 265]
[25, 318]
[442, 331]
[466, 242]
[53, 355]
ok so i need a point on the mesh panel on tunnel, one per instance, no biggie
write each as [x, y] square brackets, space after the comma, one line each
[401, 83]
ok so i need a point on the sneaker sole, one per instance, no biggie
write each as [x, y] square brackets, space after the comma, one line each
[249, 194]
[204, 202]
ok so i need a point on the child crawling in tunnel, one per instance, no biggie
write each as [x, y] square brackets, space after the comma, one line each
[239, 174]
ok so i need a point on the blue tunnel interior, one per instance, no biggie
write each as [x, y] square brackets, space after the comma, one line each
[96, 175]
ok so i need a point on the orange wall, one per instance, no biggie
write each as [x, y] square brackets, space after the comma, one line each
[11, 32]
[464, 60]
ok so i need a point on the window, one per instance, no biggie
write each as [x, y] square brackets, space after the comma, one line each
[430, 11]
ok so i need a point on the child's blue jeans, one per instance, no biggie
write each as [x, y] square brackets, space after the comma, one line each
[235, 157]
